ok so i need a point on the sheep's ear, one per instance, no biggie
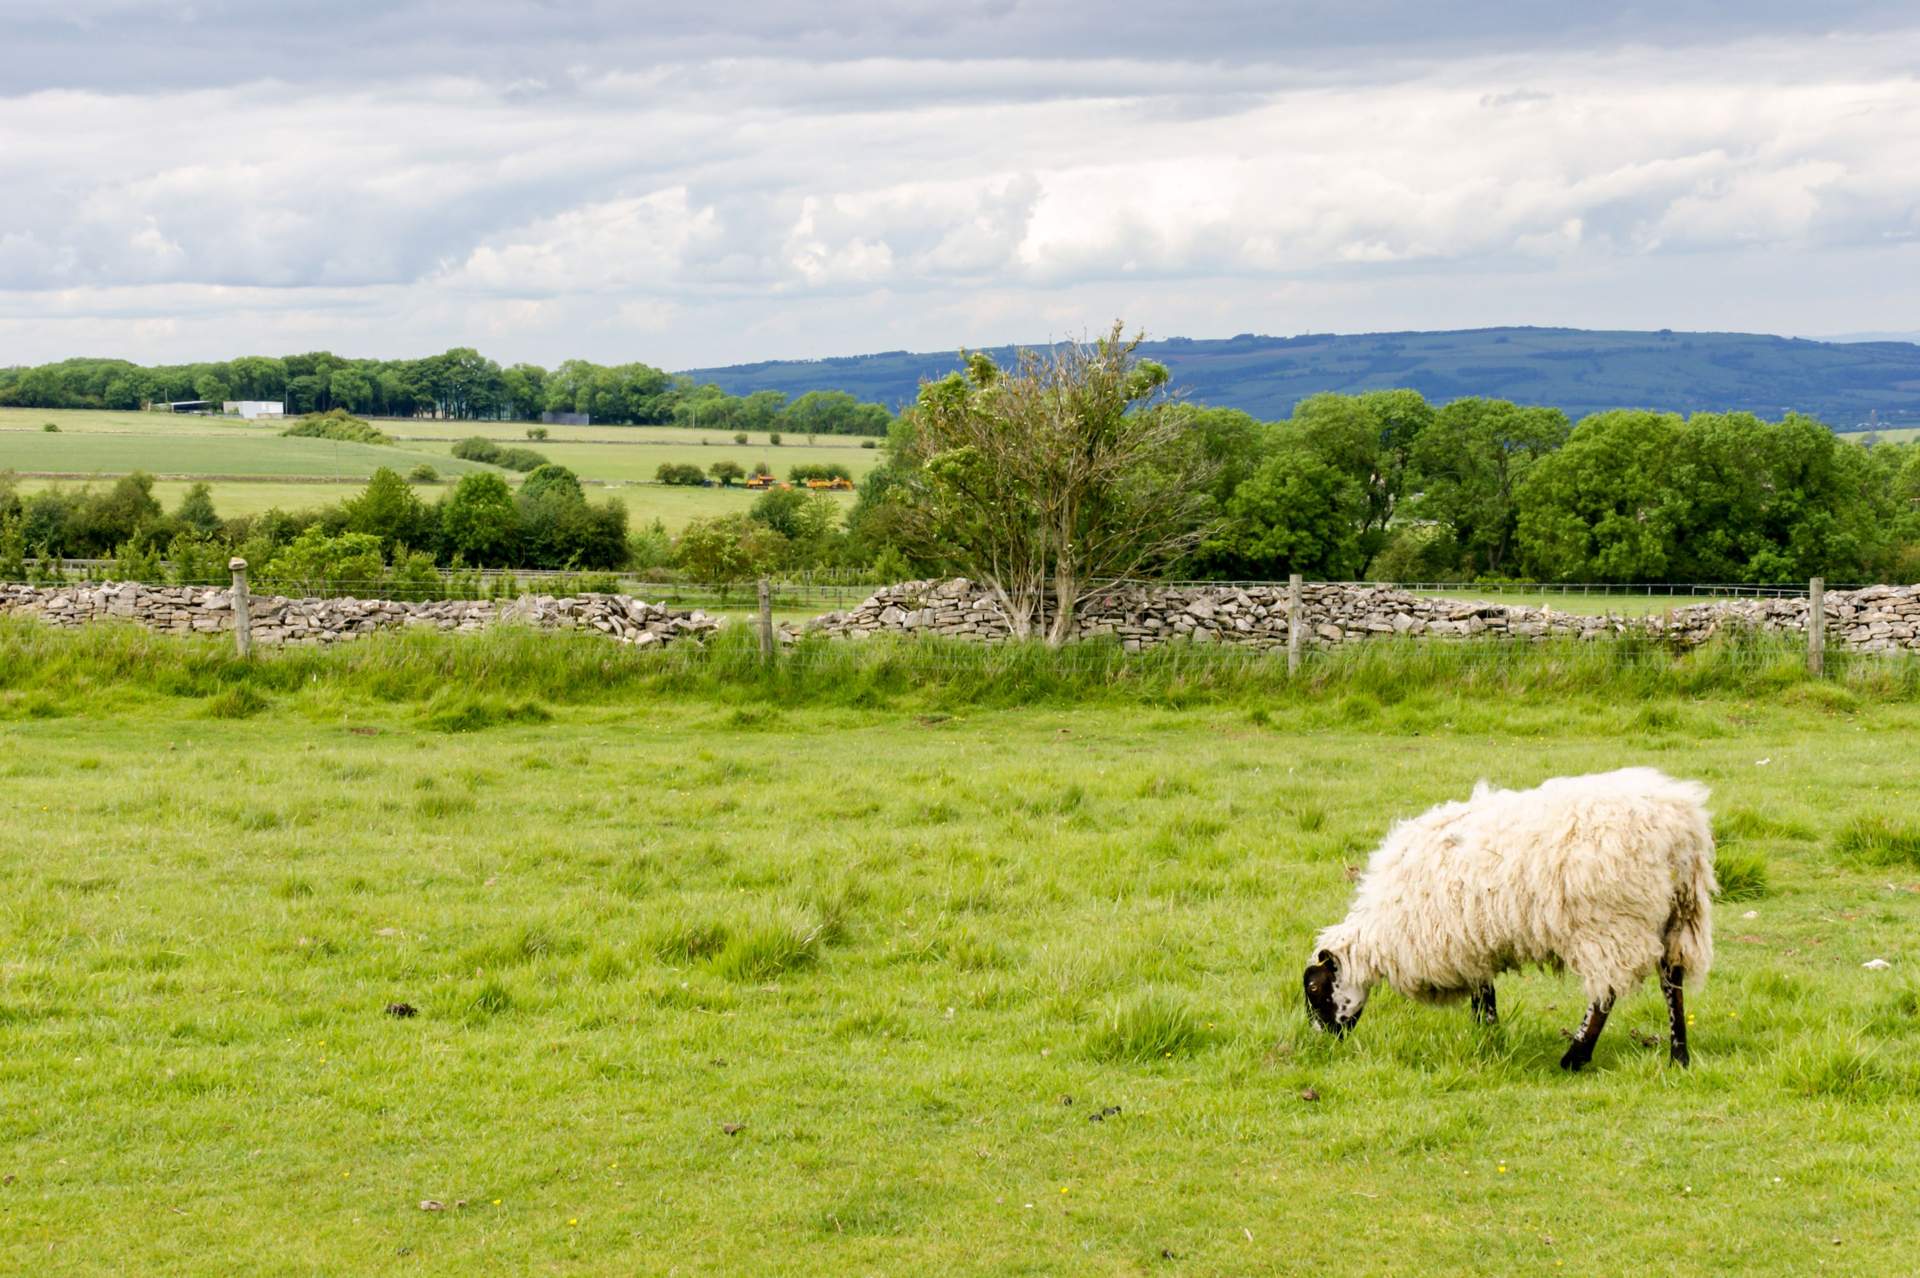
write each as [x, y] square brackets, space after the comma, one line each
[1325, 957]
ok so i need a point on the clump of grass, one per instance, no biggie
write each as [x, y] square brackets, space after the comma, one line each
[293, 889]
[1879, 840]
[1745, 823]
[524, 945]
[437, 806]
[1742, 874]
[1151, 1026]
[688, 941]
[474, 712]
[1310, 817]
[769, 948]
[1834, 1067]
[237, 702]
[486, 1001]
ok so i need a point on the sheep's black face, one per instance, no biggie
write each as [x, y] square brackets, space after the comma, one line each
[1322, 978]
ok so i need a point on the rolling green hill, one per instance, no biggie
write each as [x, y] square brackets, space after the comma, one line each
[1851, 385]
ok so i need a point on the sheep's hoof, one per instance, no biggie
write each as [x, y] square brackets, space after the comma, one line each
[1681, 1058]
[1574, 1060]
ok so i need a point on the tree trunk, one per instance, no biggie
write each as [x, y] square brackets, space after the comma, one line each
[1065, 591]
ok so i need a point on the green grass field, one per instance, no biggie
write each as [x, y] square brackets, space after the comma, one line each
[252, 468]
[937, 963]
[673, 507]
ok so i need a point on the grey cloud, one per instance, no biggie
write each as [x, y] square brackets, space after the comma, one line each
[132, 45]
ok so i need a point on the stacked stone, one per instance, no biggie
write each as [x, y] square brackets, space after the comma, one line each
[277, 619]
[1144, 616]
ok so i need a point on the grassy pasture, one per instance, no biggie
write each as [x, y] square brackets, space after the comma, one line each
[253, 453]
[673, 507]
[252, 468]
[908, 923]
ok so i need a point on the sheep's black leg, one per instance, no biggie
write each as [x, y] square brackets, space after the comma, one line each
[1581, 1050]
[1671, 979]
[1483, 1008]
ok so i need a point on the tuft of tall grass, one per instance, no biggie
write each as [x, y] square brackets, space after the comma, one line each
[1879, 840]
[509, 674]
[1151, 1026]
[1742, 874]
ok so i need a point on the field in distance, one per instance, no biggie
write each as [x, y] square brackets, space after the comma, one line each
[251, 467]
[977, 991]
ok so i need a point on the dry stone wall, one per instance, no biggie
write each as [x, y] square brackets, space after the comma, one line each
[277, 619]
[1141, 616]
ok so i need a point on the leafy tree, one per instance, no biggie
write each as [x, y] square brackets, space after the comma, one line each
[726, 550]
[1297, 513]
[551, 478]
[727, 472]
[195, 512]
[1470, 462]
[479, 523]
[390, 511]
[318, 564]
[1606, 506]
[1043, 481]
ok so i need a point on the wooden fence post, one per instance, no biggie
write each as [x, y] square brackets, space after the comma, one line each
[1296, 617]
[1817, 626]
[242, 619]
[766, 621]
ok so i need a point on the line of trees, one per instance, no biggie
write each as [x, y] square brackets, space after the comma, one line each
[460, 384]
[1077, 464]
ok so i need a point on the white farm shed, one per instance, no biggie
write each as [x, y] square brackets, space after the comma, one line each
[252, 408]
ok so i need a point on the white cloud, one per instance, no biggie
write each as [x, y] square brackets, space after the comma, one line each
[746, 207]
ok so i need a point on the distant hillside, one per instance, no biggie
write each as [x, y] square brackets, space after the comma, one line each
[1843, 383]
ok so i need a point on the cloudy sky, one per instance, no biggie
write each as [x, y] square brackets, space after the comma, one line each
[700, 184]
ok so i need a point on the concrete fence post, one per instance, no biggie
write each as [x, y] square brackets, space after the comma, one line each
[1817, 626]
[1296, 620]
[242, 618]
[766, 621]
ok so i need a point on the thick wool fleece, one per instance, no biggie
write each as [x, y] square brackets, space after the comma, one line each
[1609, 874]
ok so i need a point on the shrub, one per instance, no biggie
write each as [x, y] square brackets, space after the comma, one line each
[52, 428]
[682, 473]
[520, 459]
[739, 437]
[773, 437]
[536, 432]
[819, 470]
[869, 443]
[338, 424]
[318, 563]
[423, 474]
[477, 448]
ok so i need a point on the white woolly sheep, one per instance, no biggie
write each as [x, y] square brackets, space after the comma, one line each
[1610, 875]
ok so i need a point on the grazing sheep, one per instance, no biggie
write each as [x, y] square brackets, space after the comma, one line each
[1610, 875]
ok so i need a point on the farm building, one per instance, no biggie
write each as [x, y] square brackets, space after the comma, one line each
[566, 419]
[184, 406]
[252, 408]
